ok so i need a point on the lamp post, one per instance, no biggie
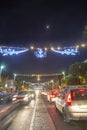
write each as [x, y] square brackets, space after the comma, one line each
[1, 68]
[63, 74]
[52, 81]
[15, 76]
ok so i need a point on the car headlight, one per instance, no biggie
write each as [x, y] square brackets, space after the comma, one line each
[25, 98]
[13, 99]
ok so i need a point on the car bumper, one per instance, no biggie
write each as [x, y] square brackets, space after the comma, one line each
[77, 116]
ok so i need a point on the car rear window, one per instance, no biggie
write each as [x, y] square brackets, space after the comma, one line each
[79, 94]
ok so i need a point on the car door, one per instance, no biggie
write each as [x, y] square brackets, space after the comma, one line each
[58, 101]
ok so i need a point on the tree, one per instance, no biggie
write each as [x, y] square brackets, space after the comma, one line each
[79, 70]
[71, 80]
[85, 32]
[18, 84]
[74, 69]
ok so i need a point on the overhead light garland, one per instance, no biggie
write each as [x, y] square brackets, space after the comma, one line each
[39, 75]
[72, 50]
[42, 52]
[4, 50]
[67, 51]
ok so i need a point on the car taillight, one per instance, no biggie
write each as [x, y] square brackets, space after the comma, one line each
[82, 90]
[52, 96]
[69, 99]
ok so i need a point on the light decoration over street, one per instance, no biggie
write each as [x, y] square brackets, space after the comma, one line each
[40, 53]
[71, 50]
[4, 50]
[67, 51]
[39, 75]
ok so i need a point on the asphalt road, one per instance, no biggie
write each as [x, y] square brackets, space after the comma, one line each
[24, 118]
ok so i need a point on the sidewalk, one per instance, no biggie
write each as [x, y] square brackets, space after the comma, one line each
[41, 120]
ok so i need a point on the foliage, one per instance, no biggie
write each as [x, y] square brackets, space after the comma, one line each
[71, 80]
[85, 32]
[2, 84]
[78, 74]
[78, 69]
[18, 84]
[74, 69]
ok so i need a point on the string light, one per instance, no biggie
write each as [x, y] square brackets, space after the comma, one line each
[42, 52]
[12, 50]
[32, 47]
[77, 46]
[59, 47]
[83, 45]
[52, 48]
[67, 51]
[38, 75]
[45, 49]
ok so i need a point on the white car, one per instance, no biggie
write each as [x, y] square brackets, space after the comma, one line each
[72, 103]
[51, 96]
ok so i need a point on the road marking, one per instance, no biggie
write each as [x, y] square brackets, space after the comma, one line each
[33, 117]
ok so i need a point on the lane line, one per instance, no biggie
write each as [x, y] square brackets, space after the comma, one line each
[33, 117]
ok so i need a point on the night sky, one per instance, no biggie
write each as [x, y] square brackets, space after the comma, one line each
[43, 23]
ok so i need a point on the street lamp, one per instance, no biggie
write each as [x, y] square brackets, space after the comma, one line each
[63, 74]
[52, 81]
[15, 76]
[1, 68]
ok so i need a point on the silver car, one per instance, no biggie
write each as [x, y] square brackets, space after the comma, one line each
[22, 96]
[72, 103]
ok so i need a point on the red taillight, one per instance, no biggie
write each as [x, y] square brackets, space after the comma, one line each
[52, 96]
[82, 90]
[69, 99]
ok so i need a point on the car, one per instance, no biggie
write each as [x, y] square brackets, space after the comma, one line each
[72, 103]
[52, 95]
[5, 98]
[22, 97]
[32, 94]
